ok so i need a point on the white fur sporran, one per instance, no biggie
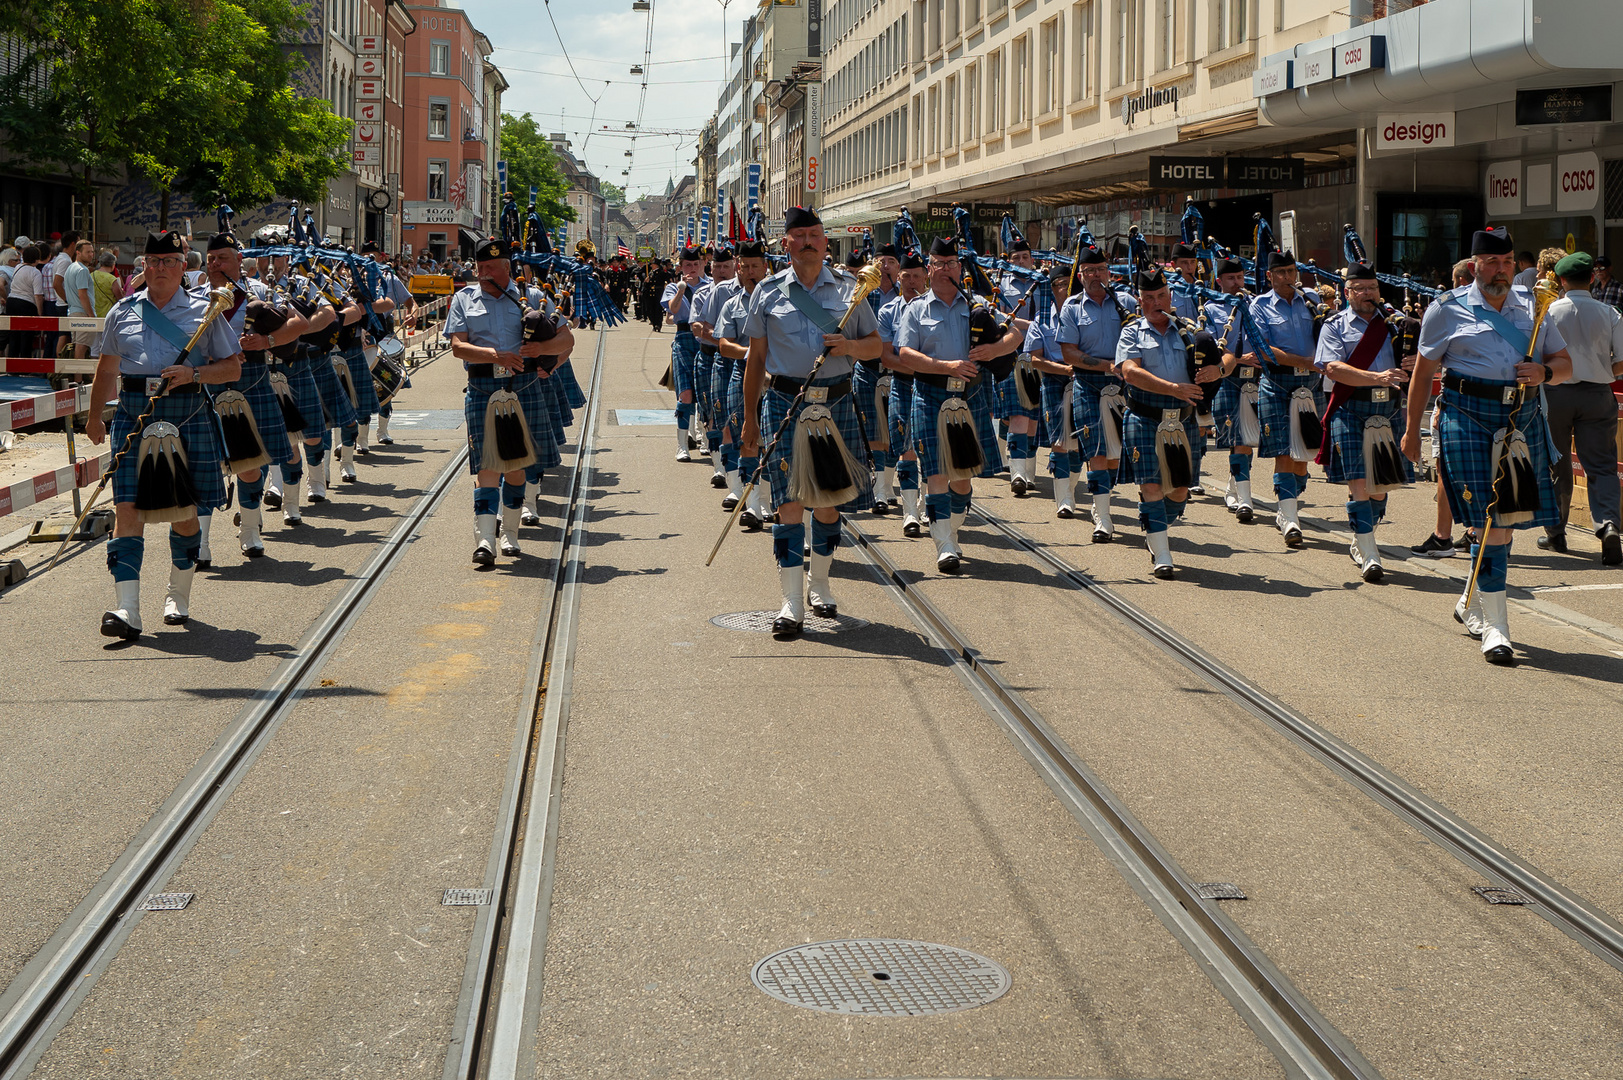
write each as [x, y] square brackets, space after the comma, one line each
[822, 470]
[1112, 414]
[508, 443]
[1382, 457]
[958, 446]
[881, 395]
[1307, 433]
[1246, 420]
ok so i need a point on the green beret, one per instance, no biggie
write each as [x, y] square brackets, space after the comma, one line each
[1578, 264]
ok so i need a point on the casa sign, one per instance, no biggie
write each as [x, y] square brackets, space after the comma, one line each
[1509, 186]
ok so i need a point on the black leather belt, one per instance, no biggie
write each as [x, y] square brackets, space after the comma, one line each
[1154, 413]
[940, 381]
[1505, 395]
[486, 371]
[903, 377]
[684, 328]
[872, 367]
[1376, 394]
[140, 384]
[708, 350]
[783, 384]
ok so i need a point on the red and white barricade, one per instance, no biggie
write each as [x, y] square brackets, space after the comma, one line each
[48, 485]
[37, 410]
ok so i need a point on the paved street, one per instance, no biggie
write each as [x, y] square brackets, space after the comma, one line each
[719, 796]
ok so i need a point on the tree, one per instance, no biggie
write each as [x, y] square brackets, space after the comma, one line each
[531, 163]
[192, 95]
[613, 193]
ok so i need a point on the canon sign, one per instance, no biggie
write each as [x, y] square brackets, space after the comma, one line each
[1414, 131]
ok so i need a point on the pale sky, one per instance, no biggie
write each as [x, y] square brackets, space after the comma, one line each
[605, 38]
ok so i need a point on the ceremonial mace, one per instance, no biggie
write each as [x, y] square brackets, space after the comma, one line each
[868, 279]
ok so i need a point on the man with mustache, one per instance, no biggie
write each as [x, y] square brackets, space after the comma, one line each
[1480, 336]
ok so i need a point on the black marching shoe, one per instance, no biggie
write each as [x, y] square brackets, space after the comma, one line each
[718, 480]
[272, 499]
[1017, 487]
[1556, 542]
[748, 521]
[1611, 544]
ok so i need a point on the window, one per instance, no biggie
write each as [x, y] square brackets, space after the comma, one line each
[436, 181]
[952, 28]
[1020, 80]
[933, 107]
[1167, 38]
[1228, 23]
[1126, 55]
[972, 102]
[949, 123]
[439, 58]
[439, 118]
[918, 127]
[972, 12]
[994, 92]
[1050, 69]
[1082, 61]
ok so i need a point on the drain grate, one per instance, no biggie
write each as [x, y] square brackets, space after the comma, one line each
[1500, 894]
[881, 978]
[760, 622]
[465, 898]
[1219, 890]
[166, 901]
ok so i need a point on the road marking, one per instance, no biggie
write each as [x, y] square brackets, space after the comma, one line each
[1576, 588]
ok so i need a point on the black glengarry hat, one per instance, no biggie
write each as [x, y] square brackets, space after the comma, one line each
[222, 241]
[945, 247]
[692, 254]
[491, 249]
[1492, 242]
[1361, 271]
[1230, 266]
[1184, 251]
[911, 261]
[167, 242]
[1280, 260]
[798, 217]
[752, 249]
[1151, 280]
[1090, 256]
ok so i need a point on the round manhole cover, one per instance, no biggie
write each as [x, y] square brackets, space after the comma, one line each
[881, 978]
[760, 622]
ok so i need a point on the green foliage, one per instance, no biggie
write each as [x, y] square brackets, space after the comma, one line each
[530, 161]
[192, 95]
[612, 193]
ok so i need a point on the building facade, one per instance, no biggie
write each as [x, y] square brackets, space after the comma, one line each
[585, 197]
[452, 115]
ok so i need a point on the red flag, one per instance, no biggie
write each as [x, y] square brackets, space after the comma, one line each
[732, 220]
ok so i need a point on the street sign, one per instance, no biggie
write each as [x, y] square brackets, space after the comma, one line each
[369, 45]
[369, 89]
[369, 112]
[369, 67]
[367, 155]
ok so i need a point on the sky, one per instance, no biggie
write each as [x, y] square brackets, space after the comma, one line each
[603, 39]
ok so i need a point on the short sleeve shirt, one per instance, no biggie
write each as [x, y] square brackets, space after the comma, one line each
[1160, 352]
[1340, 337]
[730, 322]
[793, 340]
[1091, 325]
[680, 312]
[1284, 324]
[491, 322]
[1466, 344]
[1042, 338]
[935, 327]
[143, 351]
[78, 277]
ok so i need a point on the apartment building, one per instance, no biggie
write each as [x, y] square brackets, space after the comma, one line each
[585, 197]
[452, 97]
[1117, 111]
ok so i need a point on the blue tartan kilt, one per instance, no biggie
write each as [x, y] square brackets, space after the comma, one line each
[684, 353]
[1055, 428]
[339, 411]
[735, 398]
[537, 414]
[1008, 396]
[927, 402]
[1138, 461]
[1344, 459]
[551, 413]
[1086, 419]
[775, 406]
[1466, 426]
[875, 415]
[900, 415]
[366, 393]
[721, 382]
[255, 386]
[305, 395]
[1226, 413]
[574, 396]
[704, 373]
[194, 416]
[1273, 408]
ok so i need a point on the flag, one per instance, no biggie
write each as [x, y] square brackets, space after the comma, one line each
[620, 248]
[732, 221]
[458, 195]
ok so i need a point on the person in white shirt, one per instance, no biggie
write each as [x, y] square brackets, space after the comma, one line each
[56, 296]
[27, 298]
[1582, 411]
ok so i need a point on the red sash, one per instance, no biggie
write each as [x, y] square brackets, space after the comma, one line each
[1369, 346]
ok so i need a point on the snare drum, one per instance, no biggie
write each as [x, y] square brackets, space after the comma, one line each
[388, 376]
[390, 348]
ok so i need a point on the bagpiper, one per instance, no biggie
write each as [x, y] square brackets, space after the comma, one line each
[733, 346]
[1288, 405]
[1090, 324]
[677, 302]
[911, 283]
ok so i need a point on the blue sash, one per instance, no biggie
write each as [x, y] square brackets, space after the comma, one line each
[803, 302]
[161, 324]
[1502, 326]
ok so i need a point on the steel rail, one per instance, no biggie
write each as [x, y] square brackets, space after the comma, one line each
[1305, 1042]
[44, 996]
[494, 1025]
[1574, 915]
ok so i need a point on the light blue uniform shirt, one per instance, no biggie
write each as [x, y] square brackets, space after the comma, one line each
[707, 304]
[256, 291]
[1468, 346]
[1015, 298]
[491, 322]
[1286, 325]
[890, 314]
[730, 322]
[793, 341]
[1160, 352]
[1185, 306]
[142, 351]
[1092, 326]
[879, 298]
[936, 328]
[535, 298]
[1042, 338]
[679, 313]
[1341, 334]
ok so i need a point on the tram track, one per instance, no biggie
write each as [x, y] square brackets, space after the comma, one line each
[51, 986]
[1576, 916]
[494, 1031]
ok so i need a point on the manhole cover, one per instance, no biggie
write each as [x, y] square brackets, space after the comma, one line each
[166, 901]
[881, 978]
[465, 898]
[760, 622]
